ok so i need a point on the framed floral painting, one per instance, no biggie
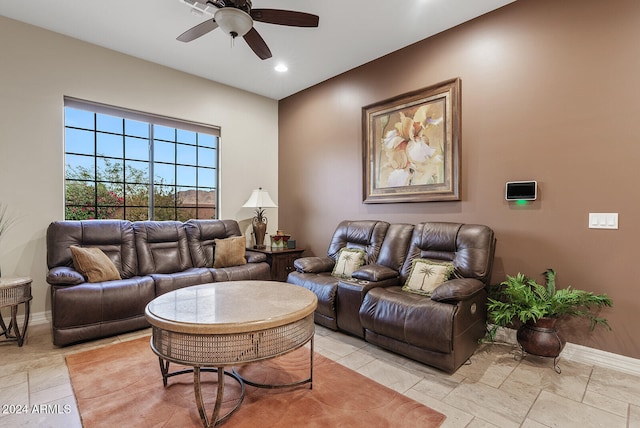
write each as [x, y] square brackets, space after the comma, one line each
[411, 146]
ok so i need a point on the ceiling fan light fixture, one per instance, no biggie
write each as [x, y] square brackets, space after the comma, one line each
[233, 22]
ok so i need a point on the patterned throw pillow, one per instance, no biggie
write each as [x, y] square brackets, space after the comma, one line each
[426, 275]
[94, 264]
[349, 260]
[229, 252]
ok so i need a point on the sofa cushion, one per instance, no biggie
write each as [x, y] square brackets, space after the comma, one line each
[162, 247]
[94, 264]
[314, 264]
[323, 285]
[201, 236]
[349, 260]
[375, 273]
[366, 235]
[408, 317]
[254, 256]
[457, 289]
[249, 272]
[470, 247]
[91, 310]
[230, 252]
[64, 275]
[114, 237]
[426, 275]
[166, 282]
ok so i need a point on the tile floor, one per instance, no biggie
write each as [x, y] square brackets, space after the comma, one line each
[495, 390]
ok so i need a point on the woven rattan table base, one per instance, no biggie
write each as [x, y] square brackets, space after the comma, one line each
[213, 350]
[13, 292]
[213, 326]
[210, 352]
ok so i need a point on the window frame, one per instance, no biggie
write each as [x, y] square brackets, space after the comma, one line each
[202, 144]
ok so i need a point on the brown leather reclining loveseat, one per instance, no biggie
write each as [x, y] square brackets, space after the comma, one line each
[315, 273]
[442, 328]
[151, 258]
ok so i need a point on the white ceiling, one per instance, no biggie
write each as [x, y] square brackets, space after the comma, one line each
[350, 33]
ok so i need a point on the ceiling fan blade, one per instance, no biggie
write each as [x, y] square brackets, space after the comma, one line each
[257, 44]
[198, 31]
[285, 17]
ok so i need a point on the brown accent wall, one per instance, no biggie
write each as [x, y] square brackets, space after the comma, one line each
[550, 92]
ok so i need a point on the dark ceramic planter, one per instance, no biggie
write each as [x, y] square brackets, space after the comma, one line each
[541, 338]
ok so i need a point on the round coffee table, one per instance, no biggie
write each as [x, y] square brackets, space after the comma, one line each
[13, 292]
[213, 326]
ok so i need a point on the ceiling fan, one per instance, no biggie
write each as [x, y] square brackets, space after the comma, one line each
[235, 17]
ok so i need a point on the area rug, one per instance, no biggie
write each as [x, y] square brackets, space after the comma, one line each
[121, 385]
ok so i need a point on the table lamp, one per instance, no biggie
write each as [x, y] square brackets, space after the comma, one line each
[259, 200]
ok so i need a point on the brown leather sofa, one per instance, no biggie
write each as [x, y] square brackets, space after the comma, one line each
[441, 330]
[314, 273]
[151, 257]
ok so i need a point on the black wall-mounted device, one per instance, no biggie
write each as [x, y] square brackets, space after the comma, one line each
[521, 191]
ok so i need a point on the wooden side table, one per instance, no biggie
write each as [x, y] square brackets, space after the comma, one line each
[13, 292]
[281, 261]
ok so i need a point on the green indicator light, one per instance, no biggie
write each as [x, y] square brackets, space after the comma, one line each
[521, 202]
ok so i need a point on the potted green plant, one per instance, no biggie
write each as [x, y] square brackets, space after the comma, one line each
[538, 307]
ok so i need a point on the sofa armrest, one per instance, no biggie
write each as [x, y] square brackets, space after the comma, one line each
[254, 256]
[457, 289]
[375, 273]
[64, 275]
[314, 264]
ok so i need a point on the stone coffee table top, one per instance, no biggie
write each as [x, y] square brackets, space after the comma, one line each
[231, 307]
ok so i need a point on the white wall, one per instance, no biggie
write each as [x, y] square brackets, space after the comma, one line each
[38, 68]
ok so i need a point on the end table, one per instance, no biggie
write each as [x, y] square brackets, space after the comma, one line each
[281, 261]
[13, 292]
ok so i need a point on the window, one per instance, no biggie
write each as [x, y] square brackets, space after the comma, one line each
[121, 164]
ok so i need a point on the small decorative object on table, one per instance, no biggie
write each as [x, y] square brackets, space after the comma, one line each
[279, 241]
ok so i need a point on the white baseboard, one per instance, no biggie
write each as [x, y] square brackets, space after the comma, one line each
[583, 354]
[596, 357]
[40, 318]
[35, 318]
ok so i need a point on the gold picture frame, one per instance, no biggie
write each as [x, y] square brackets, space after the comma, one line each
[411, 146]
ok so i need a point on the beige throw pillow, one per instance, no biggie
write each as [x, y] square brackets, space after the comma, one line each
[426, 275]
[349, 260]
[229, 252]
[94, 264]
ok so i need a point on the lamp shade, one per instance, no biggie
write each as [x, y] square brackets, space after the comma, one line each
[259, 199]
[233, 21]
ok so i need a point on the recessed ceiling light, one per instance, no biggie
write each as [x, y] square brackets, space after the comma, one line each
[281, 68]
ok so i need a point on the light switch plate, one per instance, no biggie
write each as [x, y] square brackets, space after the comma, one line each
[603, 220]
